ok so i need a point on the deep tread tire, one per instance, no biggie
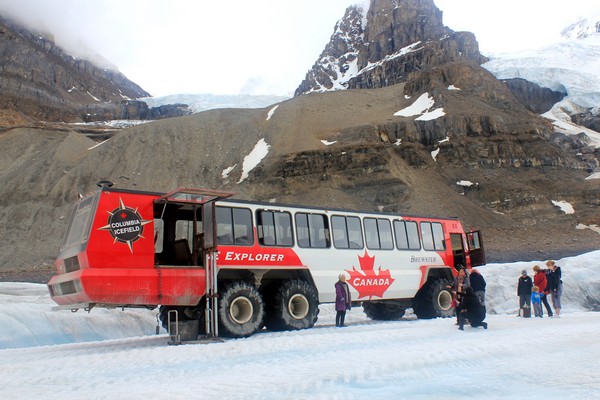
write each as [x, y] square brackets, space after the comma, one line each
[434, 300]
[292, 305]
[240, 309]
[383, 311]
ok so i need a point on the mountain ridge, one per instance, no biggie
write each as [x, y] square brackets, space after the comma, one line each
[406, 144]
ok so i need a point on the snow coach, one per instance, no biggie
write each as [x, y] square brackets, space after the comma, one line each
[236, 266]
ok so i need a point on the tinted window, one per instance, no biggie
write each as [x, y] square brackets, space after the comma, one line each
[347, 233]
[378, 233]
[433, 236]
[275, 228]
[234, 226]
[427, 236]
[438, 236]
[312, 230]
[407, 235]
[371, 235]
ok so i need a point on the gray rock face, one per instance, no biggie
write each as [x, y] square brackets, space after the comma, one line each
[42, 81]
[400, 37]
[534, 97]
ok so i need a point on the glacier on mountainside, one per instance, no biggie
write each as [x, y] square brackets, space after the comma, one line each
[571, 67]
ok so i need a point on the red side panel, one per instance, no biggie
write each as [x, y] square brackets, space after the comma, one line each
[122, 233]
[121, 286]
[117, 266]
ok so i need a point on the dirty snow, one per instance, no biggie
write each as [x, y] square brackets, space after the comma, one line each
[423, 103]
[260, 151]
[564, 206]
[271, 112]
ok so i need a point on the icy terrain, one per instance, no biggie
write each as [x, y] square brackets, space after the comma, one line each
[114, 354]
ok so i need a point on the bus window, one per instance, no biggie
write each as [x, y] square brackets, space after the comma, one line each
[242, 227]
[224, 225]
[355, 237]
[234, 226]
[371, 235]
[427, 236]
[407, 235]
[438, 236]
[312, 230]
[347, 233]
[385, 234]
[340, 233]
[275, 228]
[433, 236]
[413, 235]
[378, 233]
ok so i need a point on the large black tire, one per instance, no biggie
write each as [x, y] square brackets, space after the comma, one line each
[434, 300]
[241, 310]
[384, 311]
[291, 305]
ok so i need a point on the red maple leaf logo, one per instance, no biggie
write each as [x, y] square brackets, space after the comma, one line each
[368, 282]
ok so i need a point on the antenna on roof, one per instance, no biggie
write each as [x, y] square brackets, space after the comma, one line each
[104, 184]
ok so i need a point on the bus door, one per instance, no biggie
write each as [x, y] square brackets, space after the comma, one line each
[458, 250]
[203, 201]
[476, 252]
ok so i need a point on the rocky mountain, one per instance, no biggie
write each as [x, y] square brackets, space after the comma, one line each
[381, 46]
[582, 28]
[420, 128]
[570, 69]
[40, 81]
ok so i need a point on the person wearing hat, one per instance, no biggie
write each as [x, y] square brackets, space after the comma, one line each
[524, 292]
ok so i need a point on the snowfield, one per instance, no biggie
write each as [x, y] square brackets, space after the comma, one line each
[116, 354]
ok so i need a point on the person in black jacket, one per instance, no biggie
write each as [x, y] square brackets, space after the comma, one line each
[554, 286]
[470, 309]
[524, 291]
[478, 285]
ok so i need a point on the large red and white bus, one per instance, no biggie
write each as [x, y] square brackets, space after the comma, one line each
[238, 266]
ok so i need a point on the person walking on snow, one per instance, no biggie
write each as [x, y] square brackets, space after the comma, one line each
[539, 280]
[524, 291]
[343, 301]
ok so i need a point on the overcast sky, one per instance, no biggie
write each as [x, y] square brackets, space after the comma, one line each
[257, 46]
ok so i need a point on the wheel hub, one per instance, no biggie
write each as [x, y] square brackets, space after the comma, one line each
[298, 306]
[241, 310]
[445, 300]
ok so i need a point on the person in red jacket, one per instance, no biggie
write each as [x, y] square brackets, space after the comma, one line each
[539, 280]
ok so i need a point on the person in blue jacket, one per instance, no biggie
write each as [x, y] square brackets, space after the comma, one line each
[536, 301]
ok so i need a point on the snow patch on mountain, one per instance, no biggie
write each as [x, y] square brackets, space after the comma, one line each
[260, 151]
[582, 28]
[422, 107]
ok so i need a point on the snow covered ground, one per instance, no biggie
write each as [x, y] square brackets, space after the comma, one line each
[116, 354]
